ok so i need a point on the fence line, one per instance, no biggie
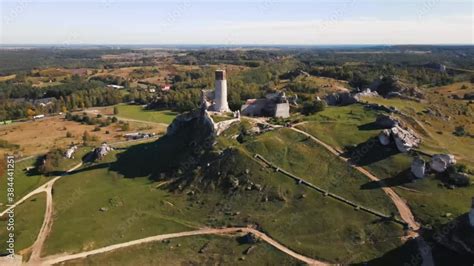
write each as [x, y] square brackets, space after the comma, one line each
[330, 194]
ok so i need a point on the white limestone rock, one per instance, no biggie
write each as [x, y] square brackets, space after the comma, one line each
[384, 137]
[405, 139]
[70, 152]
[102, 151]
[441, 162]
[418, 167]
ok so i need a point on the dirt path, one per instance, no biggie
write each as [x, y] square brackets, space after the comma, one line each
[206, 231]
[42, 188]
[402, 207]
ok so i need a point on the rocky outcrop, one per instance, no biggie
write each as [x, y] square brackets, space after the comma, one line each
[224, 125]
[418, 167]
[70, 152]
[405, 139]
[201, 116]
[385, 137]
[343, 98]
[102, 151]
[366, 93]
[387, 121]
[391, 86]
[441, 162]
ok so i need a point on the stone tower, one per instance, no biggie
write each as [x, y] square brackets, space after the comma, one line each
[220, 95]
[471, 213]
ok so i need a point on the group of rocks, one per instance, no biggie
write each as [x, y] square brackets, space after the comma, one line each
[404, 138]
[346, 98]
[440, 163]
[101, 151]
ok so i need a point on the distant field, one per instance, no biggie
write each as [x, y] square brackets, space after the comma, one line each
[28, 220]
[32, 139]
[137, 112]
[5, 78]
[220, 250]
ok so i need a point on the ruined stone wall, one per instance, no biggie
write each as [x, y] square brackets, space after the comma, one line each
[282, 110]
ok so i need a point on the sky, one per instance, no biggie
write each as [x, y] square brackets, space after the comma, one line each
[264, 22]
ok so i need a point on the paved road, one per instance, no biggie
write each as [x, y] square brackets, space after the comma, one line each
[206, 231]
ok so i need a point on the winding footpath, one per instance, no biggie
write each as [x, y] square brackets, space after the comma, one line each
[205, 231]
[401, 205]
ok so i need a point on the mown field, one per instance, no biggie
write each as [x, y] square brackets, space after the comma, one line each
[137, 112]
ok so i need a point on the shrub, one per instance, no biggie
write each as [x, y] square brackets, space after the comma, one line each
[312, 107]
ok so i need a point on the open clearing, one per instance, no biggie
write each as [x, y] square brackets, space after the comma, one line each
[36, 137]
[137, 112]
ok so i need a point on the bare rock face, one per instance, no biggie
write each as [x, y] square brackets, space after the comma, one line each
[343, 98]
[102, 151]
[387, 121]
[418, 167]
[441, 162]
[384, 137]
[405, 139]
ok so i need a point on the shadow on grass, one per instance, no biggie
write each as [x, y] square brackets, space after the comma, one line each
[402, 178]
[449, 244]
[369, 152]
[370, 126]
[167, 154]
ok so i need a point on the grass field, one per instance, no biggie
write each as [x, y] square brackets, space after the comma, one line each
[342, 126]
[220, 250]
[28, 220]
[137, 207]
[26, 182]
[138, 113]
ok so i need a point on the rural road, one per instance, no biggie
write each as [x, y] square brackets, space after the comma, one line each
[206, 231]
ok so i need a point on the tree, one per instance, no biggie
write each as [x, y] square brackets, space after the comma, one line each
[311, 107]
[125, 127]
[86, 136]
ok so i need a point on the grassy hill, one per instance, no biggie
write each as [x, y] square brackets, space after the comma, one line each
[175, 184]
